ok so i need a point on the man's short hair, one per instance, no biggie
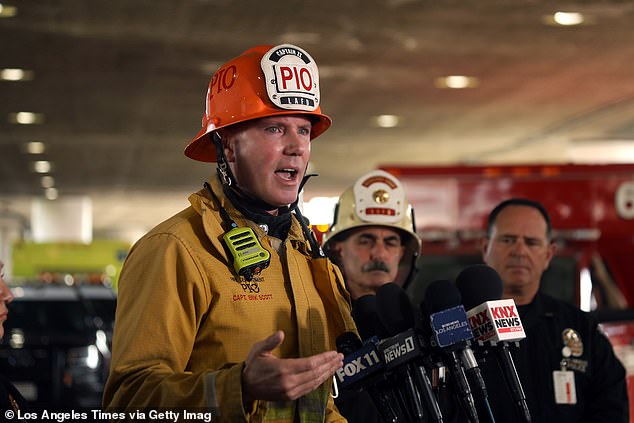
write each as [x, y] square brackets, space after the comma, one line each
[519, 202]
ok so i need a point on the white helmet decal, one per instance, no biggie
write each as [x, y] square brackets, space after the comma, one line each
[292, 78]
[379, 198]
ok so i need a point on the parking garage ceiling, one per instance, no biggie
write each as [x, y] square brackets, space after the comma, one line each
[118, 88]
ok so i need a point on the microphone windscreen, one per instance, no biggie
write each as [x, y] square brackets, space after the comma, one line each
[348, 342]
[394, 308]
[478, 284]
[366, 318]
[440, 295]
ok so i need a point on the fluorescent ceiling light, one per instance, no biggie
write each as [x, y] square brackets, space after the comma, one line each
[42, 166]
[7, 11]
[51, 193]
[35, 147]
[456, 82]
[47, 181]
[387, 121]
[26, 118]
[15, 75]
[568, 18]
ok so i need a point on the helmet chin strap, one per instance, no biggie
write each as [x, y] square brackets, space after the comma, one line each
[316, 250]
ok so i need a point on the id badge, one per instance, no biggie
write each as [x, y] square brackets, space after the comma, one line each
[565, 390]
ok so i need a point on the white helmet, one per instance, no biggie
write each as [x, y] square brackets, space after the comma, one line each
[376, 199]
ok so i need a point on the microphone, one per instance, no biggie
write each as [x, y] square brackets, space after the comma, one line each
[364, 367]
[397, 315]
[452, 334]
[495, 323]
[348, 343]
[361, 360]
[364, 314]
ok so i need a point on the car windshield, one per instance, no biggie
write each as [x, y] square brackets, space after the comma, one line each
[102, 309]
[47, 316]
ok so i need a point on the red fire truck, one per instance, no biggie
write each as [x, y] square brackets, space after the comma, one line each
[592, 211]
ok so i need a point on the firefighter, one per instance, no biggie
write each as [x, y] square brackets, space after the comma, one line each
[230, 306]
[374, 242]
[566, 365]
[373, 239]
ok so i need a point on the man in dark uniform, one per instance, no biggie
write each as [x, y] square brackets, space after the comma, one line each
[566, 365]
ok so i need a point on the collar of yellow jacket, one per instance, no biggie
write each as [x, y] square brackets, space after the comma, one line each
[201, 201]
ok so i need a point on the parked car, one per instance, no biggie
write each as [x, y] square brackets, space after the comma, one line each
[56, 347]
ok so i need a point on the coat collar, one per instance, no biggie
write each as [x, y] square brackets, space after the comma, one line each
[205, 206]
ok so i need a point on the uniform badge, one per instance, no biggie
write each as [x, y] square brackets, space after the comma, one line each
[572, 341]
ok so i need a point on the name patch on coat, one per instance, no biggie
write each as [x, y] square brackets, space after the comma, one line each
[252, 297]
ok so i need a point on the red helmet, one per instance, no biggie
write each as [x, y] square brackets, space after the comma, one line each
[263, 81]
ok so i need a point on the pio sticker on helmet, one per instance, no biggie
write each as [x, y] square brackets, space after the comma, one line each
[292, 78]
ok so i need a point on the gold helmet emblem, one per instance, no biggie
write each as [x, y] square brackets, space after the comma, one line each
[381, 196]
